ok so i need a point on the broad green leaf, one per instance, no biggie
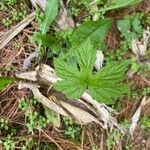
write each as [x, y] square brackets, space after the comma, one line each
[93, 30]
[48, 41]
[5, 81]
[52, 117]
[121, 3]
[49, 15]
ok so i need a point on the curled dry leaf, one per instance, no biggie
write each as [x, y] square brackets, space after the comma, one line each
[45, 101]
[27, 61]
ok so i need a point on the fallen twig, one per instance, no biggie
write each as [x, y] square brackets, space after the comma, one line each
[15, 30]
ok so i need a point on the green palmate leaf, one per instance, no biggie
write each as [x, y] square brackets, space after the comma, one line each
[5, 81]
[104, 86]
[121, 3]
[50, 14]
[74, 78]
[93, 30]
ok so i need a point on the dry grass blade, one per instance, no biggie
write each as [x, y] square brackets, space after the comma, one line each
[15, 30]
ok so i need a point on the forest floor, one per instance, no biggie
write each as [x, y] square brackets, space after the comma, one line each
[24, 125]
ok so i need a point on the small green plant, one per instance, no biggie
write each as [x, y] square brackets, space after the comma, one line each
[65, 35]
[34, 121]
[10, 2]
[72, 131]
[2, 7]
[7, 21]
[39, 15]
[95, 147]
[117, 54]
[17, 14]
[3, 124]
[8, 143]
[79, 6]
[147, 19]
[144, 70]
[146, 91]
[134, 65]
[29, 144]
[75, 11]
[131, 27]
[145, 122]
[113, 138]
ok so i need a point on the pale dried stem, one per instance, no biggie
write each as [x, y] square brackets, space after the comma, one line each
[80, 116]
